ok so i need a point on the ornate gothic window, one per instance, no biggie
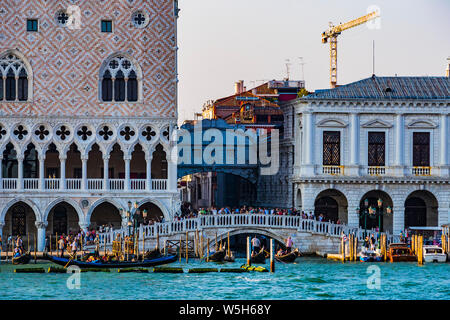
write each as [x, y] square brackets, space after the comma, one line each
[331, 148]
[13, 78]
[421, 149]
[377, 148]
[119, 81]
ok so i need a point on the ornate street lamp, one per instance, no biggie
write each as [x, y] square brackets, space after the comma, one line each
[364, 213]
[144, 214]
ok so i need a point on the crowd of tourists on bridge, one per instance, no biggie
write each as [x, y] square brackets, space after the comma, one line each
[187, 211]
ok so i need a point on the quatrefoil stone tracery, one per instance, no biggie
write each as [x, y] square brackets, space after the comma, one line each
[105, 133]
[148, 133]
[20, 132]
[63, 133]
[127, 133]
[2, 132]
[42, 132]
[84, 133]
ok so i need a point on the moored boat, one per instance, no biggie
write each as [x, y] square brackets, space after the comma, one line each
[217, 256]
[434, 254]
[259, 257]
[288, 257]
[400, 252]
[113, 264]
[370, 256]
[22, 259]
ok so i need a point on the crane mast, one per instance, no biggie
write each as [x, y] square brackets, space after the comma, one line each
[331, 36]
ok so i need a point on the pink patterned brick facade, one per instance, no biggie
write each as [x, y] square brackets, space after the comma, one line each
[66, 63]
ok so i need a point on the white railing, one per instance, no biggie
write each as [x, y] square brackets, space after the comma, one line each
[73, 184]
[421, 171]
[159, 184]
[376, 171]
[9, 183]
[116, 184]
[243, 220]
[333, 170]
[52, 184]
[95, 184]
[31, 183]
[137, 184]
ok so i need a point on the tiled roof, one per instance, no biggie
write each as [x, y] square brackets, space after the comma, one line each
[386, 88]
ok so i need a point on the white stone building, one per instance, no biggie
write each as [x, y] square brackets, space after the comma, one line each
[88, 99]
[379, 138]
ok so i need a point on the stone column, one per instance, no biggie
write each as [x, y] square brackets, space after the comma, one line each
[148, 171]
[308, 144]
[399, 147]
[20, 172]
[1, 171]
[444, 164]
[127, 160]
[84, 226]
[105, 172]
[443, 214]
[297, 144]
[62, 182]
[84, 160]
[353, 168]
[398, 218]
[171, 174]
[41, 171]
[352, 215]
[1, 232]
[41, 226]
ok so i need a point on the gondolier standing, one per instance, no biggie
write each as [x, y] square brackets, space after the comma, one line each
[289, 244]
[256, 244]
[61, 246]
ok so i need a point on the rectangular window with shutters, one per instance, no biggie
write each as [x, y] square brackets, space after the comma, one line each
[331, 148]
[377, 149]
[421, 149]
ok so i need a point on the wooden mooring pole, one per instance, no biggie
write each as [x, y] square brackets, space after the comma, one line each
[272, 260]
[180, 248]
[187, 248]
[228, 243]
[420, 250]
[35, 249]
[207, 250]
[249, 258]
[50, 243]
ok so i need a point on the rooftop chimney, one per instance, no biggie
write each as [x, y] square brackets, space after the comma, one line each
[447, 72]
[239, 87]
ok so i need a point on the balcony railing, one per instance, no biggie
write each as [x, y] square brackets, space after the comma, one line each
[137, 184]
[159, 184]
[95, 184]
[77, 184]
[73, 184]
[376, 171]
[333, 170]
[31, 183]
[52, 184]
[421, 171]
[116, 184]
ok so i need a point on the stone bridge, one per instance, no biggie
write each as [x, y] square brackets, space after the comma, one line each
[310, 236]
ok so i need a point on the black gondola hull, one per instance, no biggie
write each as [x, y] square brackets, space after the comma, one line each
[109, 265]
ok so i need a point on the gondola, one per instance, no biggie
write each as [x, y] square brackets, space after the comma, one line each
[259, 257]
[289, 257]
[22, 259]
[113, 264]
[217, 256]
[152, 254]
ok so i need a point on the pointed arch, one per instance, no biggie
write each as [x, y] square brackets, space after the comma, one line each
[159, 204]
[30, 203]
[98, 203]
[120, 79]
[69, 201]
[19, 82]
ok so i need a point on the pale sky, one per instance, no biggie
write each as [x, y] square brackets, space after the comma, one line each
[223, 41]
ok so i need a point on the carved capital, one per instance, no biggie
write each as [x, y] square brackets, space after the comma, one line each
[41, 224]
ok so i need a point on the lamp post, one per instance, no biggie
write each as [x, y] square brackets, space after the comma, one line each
[364, 212]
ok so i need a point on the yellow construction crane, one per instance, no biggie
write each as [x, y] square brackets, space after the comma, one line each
[331, 35]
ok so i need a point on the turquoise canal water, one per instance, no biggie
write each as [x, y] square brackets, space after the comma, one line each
[308, 278]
